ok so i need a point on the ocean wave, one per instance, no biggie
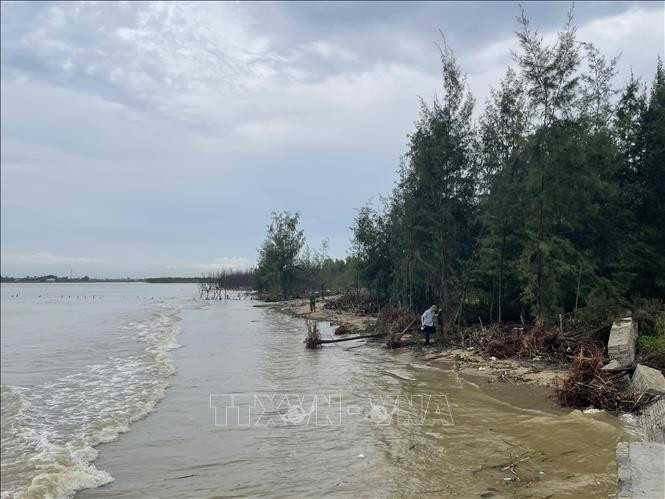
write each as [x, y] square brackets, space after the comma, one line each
[49, 432]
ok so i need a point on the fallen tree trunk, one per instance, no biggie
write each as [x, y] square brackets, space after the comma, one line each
[374, 335]
[337, 340]
[394, 339]
[406, 329]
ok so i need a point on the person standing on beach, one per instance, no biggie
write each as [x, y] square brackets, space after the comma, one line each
[427, 322]
[312, 302]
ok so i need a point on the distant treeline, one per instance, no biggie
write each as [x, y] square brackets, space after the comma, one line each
[552, 201]
[54, 278]
[232, 279]
[170, 280]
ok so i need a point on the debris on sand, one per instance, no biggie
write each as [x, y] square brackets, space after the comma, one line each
[537, 343]
[397, 322]
[344, 328]
[358, 303]
[587, 383]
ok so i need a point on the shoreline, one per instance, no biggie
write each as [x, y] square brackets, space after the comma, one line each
[467, 361]
[631, 456]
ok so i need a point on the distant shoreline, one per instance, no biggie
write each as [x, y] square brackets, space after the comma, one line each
[54, 280]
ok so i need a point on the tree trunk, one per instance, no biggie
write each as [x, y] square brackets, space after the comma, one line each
[539, 282]
[579, 280]
[501, 267]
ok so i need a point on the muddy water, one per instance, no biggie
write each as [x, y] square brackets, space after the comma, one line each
[362, 444]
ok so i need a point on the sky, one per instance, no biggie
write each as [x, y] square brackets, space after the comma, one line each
[152, 139]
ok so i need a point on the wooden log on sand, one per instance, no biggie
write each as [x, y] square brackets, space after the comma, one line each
[375, 335]
[337, 340]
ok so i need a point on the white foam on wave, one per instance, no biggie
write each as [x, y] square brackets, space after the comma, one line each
[59, 424]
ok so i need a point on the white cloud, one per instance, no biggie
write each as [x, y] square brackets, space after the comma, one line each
[44, 258]
[618, 29]
[274, 129]
[224, 263]
[328, 49]
[145, 133]
[637, 34]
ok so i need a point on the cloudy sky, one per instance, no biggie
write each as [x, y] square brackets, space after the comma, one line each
[155, 139]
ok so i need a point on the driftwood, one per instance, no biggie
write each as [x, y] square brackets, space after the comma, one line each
[394, 339]
[337, 340]
[180, 477]
[406, 329]
[360, 337]
[510, 465]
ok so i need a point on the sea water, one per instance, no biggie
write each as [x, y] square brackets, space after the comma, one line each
[125, 395]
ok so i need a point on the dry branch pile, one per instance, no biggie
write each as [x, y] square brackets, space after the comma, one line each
[516, 341]
[587, 384]
[344, 328]
[358, 303]
[396, 321]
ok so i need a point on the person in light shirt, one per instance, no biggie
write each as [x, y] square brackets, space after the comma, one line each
[427, 322]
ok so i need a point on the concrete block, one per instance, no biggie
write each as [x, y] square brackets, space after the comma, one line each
[647, 380]
[612, 364]
[652, 422]
[640, 470]
[623, 470]
[621, 345]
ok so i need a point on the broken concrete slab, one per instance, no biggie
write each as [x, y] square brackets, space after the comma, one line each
[612, 364]
[621, 345]
[652, 422]
[640, 470]
[623, 470]
[647, 380]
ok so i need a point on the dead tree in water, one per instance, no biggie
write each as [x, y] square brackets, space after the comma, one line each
[213, 286]
[313, 338]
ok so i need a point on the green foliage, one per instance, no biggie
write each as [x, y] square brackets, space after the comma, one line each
[371, 251]
[287, 267]
[650, 344]
[650, 316]
[279, 254]
[417, 249]
[554, 203]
